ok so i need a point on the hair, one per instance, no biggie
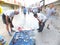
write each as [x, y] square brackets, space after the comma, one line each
[35, 15]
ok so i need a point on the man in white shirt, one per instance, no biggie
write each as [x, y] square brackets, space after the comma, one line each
[42, 19]
[7, 19]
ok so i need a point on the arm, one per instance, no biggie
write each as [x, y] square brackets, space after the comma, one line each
[11, 22]
[6, 19]
[54, 11]
[12, 18]
[40, 21]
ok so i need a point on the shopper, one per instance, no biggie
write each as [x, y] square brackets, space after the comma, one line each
[7, 19]
[42, 19]
[24, 11]
[50, 12]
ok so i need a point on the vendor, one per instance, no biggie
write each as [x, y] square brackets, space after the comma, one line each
[7, 19]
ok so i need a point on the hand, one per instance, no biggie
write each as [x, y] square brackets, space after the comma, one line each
[41, 23]
[7, 23]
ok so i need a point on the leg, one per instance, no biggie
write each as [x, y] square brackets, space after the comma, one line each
[7, 25]
[25, 16]
[7, 28]
[3, 18]
[11, 27]
[48, 26]
[24, 20]
[41, 27]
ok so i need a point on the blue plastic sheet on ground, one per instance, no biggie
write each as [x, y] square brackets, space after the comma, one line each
[23, 38]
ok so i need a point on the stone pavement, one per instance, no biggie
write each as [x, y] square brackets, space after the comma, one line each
[47, 37]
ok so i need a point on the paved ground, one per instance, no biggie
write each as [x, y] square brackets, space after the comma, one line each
[47, 37]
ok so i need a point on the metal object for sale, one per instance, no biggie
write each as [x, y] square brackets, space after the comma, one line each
[23, 38]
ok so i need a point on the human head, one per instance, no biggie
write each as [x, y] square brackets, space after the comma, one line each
[51, 5]
[35, 15]
[16, 12]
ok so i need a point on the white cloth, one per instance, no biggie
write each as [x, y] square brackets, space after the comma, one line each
[42, 17]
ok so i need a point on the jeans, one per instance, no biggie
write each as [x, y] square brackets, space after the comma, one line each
[41, 26]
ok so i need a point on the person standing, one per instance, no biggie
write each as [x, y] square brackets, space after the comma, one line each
[50, 12]
[7, 19]
[42, 19]
[24, 11]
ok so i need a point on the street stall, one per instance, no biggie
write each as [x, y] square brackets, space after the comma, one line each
[25, 30]
[23, 38]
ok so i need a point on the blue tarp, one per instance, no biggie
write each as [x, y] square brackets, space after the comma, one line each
[22, 38]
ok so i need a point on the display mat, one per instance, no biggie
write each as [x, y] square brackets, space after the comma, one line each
[23, 38]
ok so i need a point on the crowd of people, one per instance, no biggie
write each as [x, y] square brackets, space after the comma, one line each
[42, 18]
[37, 13]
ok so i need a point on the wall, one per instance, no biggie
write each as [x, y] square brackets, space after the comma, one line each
[58, 9]
[57, 5]
[6, 6]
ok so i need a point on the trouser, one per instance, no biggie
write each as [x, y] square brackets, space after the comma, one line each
[4, 20]
[41, 26]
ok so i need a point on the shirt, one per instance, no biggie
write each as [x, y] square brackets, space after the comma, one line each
[41, 17]
[35, 10]
[24, 10]
[50, 11]
[9, 13]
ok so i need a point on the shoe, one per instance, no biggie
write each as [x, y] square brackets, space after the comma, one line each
[38, 29]
[12, 26]
[13, 31]
[9, 33]
[48, 28]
